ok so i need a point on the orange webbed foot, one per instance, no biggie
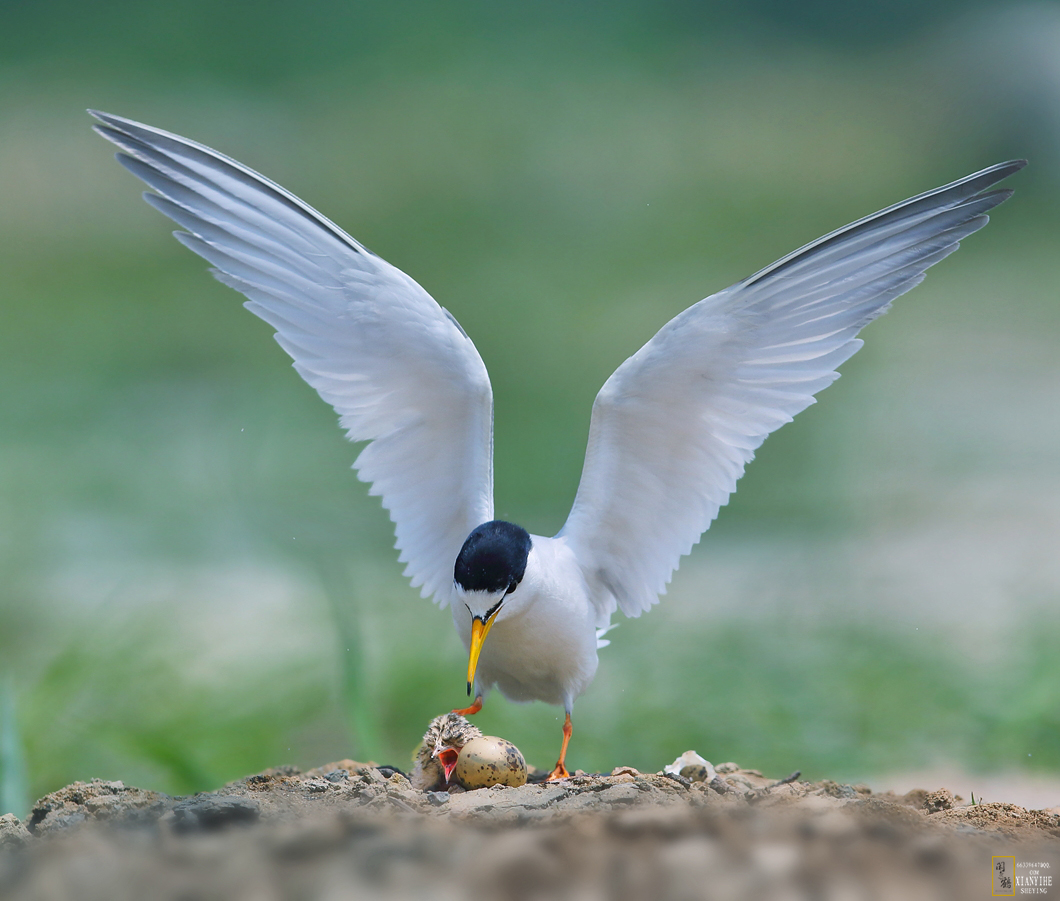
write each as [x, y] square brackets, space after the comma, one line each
[473, 709]
[560, 772]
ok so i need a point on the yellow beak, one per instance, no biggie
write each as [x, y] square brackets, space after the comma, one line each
[479, 631]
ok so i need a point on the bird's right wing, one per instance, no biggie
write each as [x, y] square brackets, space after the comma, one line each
[398, 369]
[675, 425]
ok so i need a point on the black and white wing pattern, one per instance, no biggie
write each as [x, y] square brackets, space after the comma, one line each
[674, 426]
[398, 369]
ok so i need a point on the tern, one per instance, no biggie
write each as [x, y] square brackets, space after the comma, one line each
[671, 431]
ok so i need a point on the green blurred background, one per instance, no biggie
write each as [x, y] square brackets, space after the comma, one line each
[193, 584]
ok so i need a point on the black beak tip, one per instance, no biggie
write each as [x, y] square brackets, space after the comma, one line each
[469, 689]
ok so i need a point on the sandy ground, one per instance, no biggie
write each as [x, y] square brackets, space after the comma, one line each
[350, 830]
[1033, 792]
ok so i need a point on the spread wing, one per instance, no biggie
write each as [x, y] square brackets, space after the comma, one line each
[674, 426]
[398, 369]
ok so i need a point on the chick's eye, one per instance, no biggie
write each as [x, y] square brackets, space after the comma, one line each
[511, 588]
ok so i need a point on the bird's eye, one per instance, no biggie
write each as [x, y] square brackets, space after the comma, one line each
[511, 588]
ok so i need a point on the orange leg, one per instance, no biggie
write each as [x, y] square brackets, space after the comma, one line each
[560, 772]
[475, 708]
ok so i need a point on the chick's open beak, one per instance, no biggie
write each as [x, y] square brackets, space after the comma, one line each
[447, 757]
[479, 631]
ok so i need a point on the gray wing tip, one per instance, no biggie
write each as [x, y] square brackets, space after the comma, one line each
[128, 159]
[987, 200]
[999, 171]
[972, 189]
[112, 120]
[121, 139]
[106, 131]
[109, 120]
[1010, 167]
[991, 175]
[132, 136]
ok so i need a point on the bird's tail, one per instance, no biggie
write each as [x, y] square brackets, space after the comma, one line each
[602, 642]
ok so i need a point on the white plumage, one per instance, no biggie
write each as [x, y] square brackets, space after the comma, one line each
[671, 432]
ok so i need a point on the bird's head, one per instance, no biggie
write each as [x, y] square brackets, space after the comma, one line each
[488, 570]
[442, 742]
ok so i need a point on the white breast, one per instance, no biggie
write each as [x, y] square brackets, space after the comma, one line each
[542, 646]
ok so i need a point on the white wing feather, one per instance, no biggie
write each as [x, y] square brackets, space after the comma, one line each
[674, 426]
[396, 367]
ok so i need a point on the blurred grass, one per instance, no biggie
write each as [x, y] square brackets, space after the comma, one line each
[197, 587]
[14, 785]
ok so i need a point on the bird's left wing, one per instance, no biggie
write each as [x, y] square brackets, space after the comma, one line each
[674, 426]
[398, 369]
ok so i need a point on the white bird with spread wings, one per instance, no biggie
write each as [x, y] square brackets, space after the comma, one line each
[671, 432]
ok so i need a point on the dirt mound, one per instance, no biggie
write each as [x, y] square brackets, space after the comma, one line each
[349, 829]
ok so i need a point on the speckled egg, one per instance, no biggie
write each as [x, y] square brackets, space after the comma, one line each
[487, 760]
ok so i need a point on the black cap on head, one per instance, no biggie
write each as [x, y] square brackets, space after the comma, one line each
[493, 558]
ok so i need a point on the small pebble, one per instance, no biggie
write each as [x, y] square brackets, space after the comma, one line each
[693, 767]
[696, 772]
